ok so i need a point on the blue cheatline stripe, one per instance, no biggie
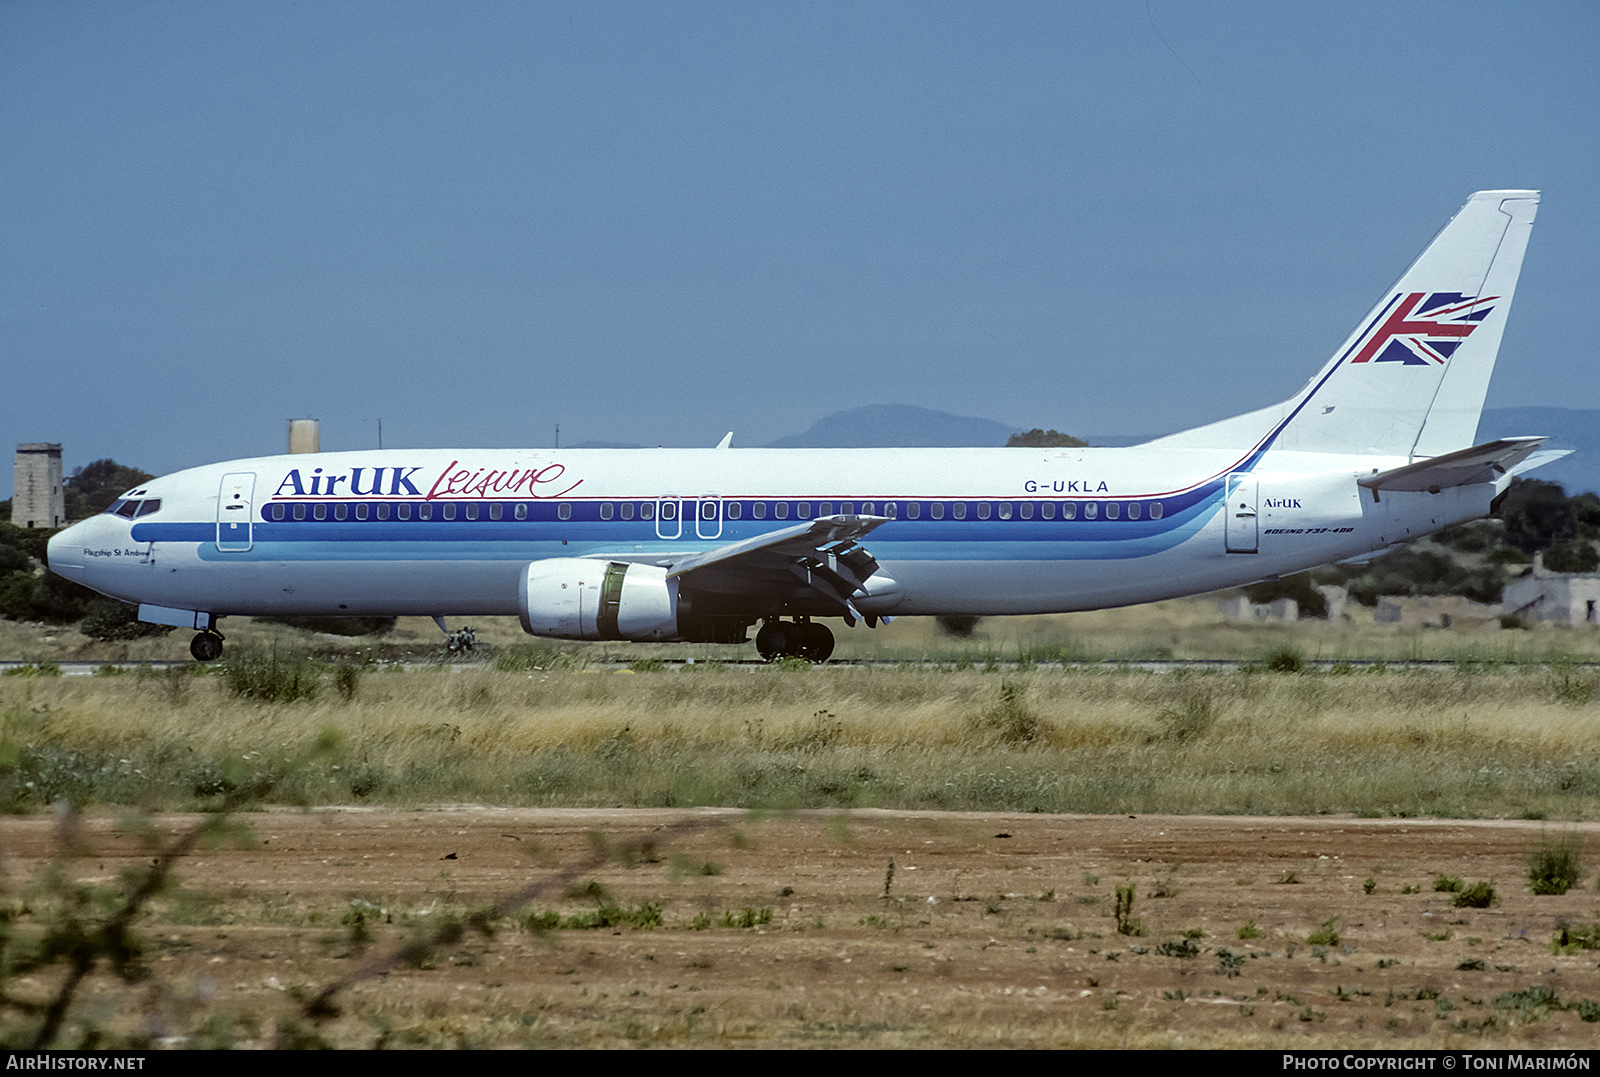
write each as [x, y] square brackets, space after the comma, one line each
[586, 535]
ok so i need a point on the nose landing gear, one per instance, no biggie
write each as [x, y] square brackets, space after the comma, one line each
[206, 646]
[798, 639]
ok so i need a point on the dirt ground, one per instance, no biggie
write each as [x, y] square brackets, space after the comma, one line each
[996, 930]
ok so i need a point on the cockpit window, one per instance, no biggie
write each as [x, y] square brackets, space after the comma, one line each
[128, 508]
[152, 505]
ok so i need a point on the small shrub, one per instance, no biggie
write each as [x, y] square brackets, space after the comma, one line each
[1326, 935]
[1556, 867]
[1126, 924]
[1285, 660]
[271, 677]
[1248, 930]
[1479, 895]
[1179, 948]
[1010, 720]
[1573, 938]
[1191, 718]
[1446, 884]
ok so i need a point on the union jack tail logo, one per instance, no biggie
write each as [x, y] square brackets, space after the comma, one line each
[1423, 328]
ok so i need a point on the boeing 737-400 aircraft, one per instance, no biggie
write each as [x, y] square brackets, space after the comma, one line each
[702, 544]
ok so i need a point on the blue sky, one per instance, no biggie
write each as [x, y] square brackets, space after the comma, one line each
[656, 222]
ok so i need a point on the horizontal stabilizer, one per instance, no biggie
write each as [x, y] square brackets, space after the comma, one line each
[1538, 459]
[1488, 462]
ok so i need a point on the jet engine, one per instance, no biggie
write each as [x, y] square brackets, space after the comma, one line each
[575, 598]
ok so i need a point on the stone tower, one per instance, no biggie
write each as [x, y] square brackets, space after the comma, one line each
[40, 499]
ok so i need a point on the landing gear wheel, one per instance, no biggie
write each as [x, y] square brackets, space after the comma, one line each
[206, 647]
[776, 640]
[816, 642]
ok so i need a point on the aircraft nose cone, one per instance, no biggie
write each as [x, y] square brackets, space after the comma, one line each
[64, 552]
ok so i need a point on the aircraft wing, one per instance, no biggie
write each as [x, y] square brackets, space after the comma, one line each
[1488, 462]
[823, 556]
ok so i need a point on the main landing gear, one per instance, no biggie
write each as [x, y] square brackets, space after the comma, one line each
[799, 639]
[206, 646]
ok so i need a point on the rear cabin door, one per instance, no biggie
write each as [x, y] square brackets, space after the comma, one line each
[1239, 510]
[236, 512]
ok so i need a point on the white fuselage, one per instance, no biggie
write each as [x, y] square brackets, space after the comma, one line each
[969, 531]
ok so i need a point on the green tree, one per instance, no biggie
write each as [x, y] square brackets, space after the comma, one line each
[1537, 515]
[1044, 439]
[93, 487]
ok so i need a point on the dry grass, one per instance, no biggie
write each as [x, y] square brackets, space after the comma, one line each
[1513, 742]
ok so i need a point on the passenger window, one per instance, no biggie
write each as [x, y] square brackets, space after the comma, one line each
[383, 510]
[1134, 510]
[299, 512]
[781, 510]
[1005, 510]
[361, 511]
[824, 509]
[606, 510]
[449, 511]
[1025, 510]
[1113, 510]
[472, 511]
[913, 510]
[802, 510]
[845, 509]
[960, 510]
[734, 510]
[627, 510]
[319, 512]
[1091, 510]
[984, 508]
[342, 512]
[669, 511]
[936, 510]
[1047, 511]
[759, 510]
[1157, 510]
[424, 511]
[521, 511]
[277, 512]
[564, 511]
[402, 511]
[647, 511]
[890, 509]
[497, 511]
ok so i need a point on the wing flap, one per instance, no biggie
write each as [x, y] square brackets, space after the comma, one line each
[823, 556]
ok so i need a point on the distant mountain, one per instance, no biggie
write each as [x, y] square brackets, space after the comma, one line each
[1568, 429]
[896, 426]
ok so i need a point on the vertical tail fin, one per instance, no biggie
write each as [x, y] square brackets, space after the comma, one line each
[1411, 380]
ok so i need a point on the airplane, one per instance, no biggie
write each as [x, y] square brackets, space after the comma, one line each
[701, 545]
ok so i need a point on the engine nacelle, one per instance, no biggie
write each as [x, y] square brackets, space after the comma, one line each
[576, 598]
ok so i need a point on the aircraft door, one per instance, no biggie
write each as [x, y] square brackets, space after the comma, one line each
[708, 520]
[1239, 512]
[669, 518]
[236, 512]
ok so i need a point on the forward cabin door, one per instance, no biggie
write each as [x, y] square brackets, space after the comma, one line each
[236, 512]
[1239, 510]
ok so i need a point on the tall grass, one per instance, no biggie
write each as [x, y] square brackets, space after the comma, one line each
[1513, 741]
